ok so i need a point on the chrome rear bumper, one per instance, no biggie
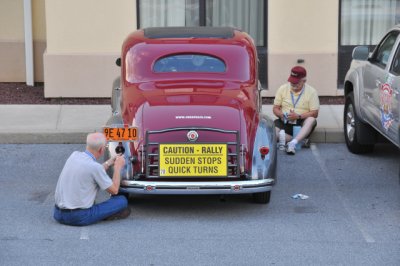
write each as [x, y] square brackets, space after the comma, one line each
[207, 187]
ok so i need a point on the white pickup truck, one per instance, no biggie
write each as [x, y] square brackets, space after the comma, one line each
[372, 91]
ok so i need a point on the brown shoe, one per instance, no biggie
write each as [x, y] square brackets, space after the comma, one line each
[119, 215]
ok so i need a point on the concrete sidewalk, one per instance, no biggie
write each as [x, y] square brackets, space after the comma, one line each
[71, 123]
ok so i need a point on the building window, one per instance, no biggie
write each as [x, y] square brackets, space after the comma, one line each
[169, 13]
[245, 15]
[249, 16]
[395, 70]
[242, 14]
[363, 22]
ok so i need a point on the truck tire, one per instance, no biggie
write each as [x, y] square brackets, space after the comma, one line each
[262, 197]
[353, 128]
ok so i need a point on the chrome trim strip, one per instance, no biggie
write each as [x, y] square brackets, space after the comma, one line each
[207, 187]
[142, 156]
[192, 128]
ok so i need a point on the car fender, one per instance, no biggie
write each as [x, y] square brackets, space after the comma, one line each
[264, 167]
[126, 172]
[354, 82]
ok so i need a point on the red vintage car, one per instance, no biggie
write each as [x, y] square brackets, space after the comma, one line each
[186, 114]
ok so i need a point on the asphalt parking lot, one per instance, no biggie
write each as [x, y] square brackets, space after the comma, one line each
[352, 216]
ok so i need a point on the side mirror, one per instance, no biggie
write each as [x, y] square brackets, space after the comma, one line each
[116, 96]
[361, 53]
[118, 61]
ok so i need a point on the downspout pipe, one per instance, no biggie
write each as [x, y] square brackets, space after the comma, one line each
[28, 42]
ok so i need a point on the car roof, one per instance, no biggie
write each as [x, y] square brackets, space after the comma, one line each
[189, 32]
[395, 27]
[143, 47]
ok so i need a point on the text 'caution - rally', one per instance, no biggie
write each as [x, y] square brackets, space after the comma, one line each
[193, 160]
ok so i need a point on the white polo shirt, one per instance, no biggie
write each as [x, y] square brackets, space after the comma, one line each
[79, 181]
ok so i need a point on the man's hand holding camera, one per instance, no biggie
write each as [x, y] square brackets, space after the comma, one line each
[292, 117]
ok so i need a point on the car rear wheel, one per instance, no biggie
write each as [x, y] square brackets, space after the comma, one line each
[353, 128]
[262, 197]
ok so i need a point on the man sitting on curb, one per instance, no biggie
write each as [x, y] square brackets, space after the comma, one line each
[296, 103]
[79, 182]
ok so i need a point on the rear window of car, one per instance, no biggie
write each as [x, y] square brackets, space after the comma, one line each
[189, 63]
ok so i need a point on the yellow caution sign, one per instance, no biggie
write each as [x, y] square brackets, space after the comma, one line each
[193, 160]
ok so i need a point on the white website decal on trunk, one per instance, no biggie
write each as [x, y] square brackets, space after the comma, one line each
[193, 117]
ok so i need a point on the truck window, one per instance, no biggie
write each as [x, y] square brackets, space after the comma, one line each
[382, 53]
[395, 70]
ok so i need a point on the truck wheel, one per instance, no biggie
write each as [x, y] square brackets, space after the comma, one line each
[353, 128]
[262, 197]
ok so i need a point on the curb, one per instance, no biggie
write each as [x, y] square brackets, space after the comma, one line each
[327, 135]
[44, 138]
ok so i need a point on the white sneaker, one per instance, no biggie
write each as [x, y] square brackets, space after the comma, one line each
[290, 148]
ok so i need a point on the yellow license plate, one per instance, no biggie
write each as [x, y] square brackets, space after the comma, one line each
[120, 133]
[193, 160]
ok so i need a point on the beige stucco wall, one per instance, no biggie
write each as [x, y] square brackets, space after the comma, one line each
[12, 20]
[39, 37]
[38, 20]
[12, 53]
[83, 43]
[90, 33]
[12, 43]
[303, 29]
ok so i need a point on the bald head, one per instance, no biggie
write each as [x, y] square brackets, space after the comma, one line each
[95, 141]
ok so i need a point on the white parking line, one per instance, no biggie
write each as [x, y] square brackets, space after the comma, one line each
[84, 234]
[367, 237]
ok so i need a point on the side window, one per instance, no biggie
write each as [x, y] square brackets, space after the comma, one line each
[395, 69]
[382, 53]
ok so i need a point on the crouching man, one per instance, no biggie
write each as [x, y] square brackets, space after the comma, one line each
[80, 180]
[296, 104]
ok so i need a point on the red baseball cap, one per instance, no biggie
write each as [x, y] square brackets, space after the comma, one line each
[296, 74]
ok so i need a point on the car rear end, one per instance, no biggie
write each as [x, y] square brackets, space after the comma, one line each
[198, 131]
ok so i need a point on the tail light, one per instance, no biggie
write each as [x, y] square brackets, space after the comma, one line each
[264, 150]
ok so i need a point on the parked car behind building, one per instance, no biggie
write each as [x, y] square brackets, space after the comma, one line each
[192, 96]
